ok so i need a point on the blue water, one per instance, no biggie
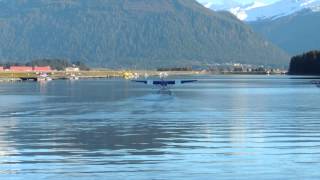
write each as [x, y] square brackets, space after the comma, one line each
[222, 127]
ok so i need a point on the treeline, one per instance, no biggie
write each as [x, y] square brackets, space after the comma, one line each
[58, 64]
[305, 64]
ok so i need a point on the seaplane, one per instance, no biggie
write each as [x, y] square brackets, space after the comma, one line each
[164, 84]
[44, 77]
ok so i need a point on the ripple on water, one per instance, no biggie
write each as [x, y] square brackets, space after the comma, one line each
[246, 128]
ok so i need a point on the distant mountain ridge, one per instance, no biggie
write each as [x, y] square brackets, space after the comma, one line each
[262, 11]
[129, 34]
[296, 33]
[292, 25]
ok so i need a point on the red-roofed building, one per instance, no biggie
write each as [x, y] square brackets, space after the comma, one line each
[42, 69]
[21, 69]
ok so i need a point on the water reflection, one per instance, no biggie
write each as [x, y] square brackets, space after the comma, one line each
[221, 127]
[5, 146]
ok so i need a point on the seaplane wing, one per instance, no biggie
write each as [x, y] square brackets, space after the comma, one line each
[188, 81]
[145, 82]
[165, 82]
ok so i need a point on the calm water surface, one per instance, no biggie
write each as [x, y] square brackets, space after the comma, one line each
[222, 127]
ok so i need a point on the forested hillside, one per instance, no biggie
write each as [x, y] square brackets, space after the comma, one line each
[129, 33]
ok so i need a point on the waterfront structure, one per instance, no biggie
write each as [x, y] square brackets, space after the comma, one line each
[39, 69]
[72, 69]
[46, 69]
[21, 69]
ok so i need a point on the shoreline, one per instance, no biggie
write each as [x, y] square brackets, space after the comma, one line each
[7, 76]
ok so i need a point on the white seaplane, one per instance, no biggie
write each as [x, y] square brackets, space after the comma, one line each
[44, 77]
[162, 83]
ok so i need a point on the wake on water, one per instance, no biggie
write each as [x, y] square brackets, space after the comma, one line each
[158, 96]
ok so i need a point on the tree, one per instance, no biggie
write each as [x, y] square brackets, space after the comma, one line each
[305, 64]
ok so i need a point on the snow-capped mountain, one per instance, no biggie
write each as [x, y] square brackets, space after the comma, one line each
[244, 12]
[226, 5]
[260, 11]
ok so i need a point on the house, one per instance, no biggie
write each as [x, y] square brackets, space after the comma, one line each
[1, 68]
[21, 69]
[42, 69]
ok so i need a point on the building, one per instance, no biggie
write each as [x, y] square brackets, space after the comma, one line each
[42, 69]
[72, 69]
[21, 69]
[1, 68]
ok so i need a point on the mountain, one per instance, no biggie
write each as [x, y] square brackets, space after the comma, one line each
[129, 33]
[296, 33]
[290, 24]
[218, 6]
[262, 11]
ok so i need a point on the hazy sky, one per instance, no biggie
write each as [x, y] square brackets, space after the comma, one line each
[240, 1]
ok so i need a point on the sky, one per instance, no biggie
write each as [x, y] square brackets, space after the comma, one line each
[240, 1]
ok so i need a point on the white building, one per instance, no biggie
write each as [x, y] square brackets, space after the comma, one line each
[72, 69]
